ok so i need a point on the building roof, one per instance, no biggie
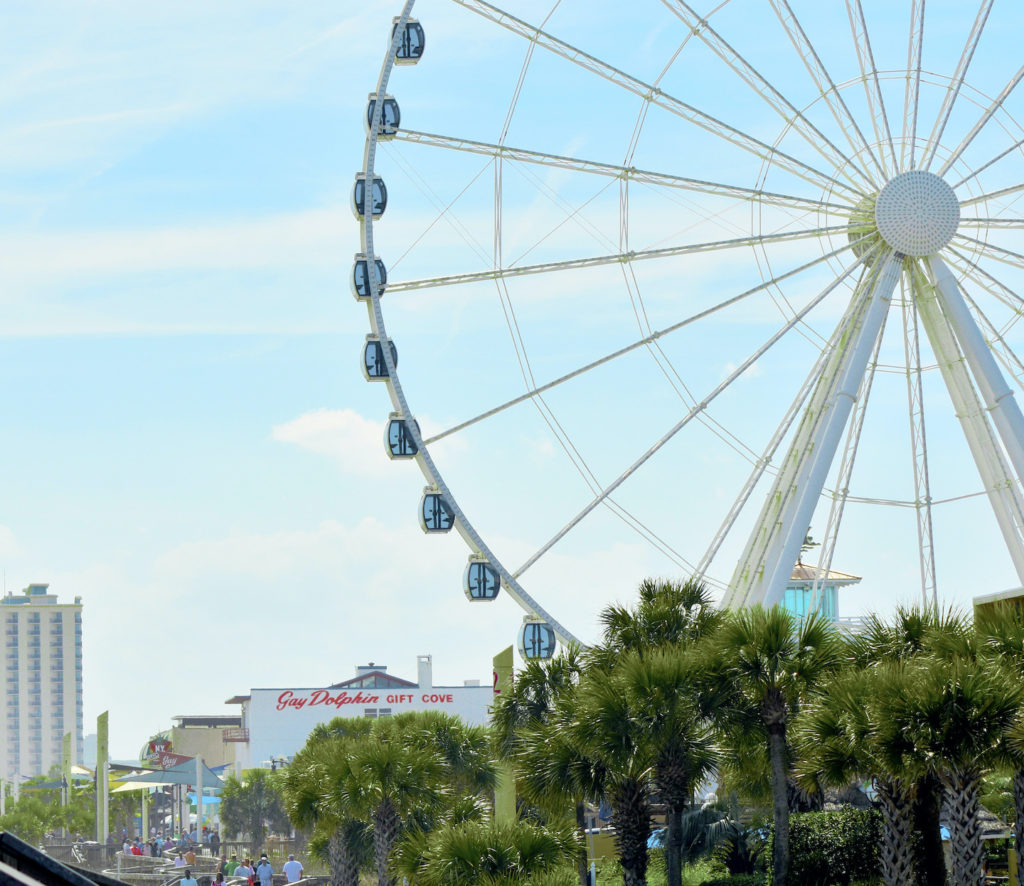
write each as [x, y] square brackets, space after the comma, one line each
[375, 680]
[238, 699]
[804, 573]
[187, 720]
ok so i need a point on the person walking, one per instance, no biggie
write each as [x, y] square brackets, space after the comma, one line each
[188, 879]
[265, 871]
[292, 869]
[231, 866]
[245, 870]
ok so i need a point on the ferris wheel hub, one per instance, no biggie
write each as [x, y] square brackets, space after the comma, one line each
[917, 213]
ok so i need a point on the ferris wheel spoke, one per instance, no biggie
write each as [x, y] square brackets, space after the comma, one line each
[996, 253]
[991, 162]
[639, 343]
[1011, 223]
[869, 76]
[823, 80]
[772, 97]
[953, 91]
[989, 282]
[699, 408]
[601, 260]
[912, 90]
[624, 173]
[990, 111]
[1000, 486]
[656, 96]
[919, 449]
[994, 195]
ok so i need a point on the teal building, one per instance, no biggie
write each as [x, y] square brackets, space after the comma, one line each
[801, 597]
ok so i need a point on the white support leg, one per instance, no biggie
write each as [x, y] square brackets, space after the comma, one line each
[996, 475]
[772, 549]
[998, 396]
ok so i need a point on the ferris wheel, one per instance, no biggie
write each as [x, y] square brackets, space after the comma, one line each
[773, 280]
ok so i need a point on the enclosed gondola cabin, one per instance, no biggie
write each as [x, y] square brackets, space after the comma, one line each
[378, 197]
[411, 43]
[536, 640]
[398, 438]
[361, 277]
[390, 116]
[375, 368]
[436, 515]
[480, 581]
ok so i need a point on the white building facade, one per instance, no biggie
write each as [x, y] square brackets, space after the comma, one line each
[276, 722]
[40, 682]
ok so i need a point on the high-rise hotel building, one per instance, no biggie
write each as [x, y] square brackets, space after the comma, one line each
[40, 681]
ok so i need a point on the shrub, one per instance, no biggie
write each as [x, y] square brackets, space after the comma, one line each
[736, 880]
[834, 848]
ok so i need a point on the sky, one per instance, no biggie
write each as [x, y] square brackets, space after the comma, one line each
[189, 443]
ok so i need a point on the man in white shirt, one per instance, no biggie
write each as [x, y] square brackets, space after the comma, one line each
[188, 879]
[292, 869]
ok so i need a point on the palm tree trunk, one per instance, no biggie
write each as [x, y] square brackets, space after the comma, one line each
[1018, 827]
[780, 802]
[385, 832]
[631, 818]
[581, 856]
[344, 871]
[897, 850]
[673, 846]
[964, 831]
[930, 858]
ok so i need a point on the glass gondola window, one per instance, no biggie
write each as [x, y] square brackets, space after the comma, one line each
[536, 641]
[481, 581]
[361, 277]
[436, 515]
[378, 196]
[374, 367]
[390, 116]
[399, 439]
[410, 47]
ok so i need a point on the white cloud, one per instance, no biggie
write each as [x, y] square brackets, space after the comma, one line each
[354, 442]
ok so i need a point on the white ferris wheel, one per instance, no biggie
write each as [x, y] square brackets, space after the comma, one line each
[768, 281]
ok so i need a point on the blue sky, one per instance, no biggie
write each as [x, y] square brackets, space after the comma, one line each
[189, 442]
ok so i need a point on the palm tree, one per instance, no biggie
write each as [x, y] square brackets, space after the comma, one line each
[842, 734]
[673, 703]
[387, 782]
[463, 752]
[770, 661]
[1000, 631]
[531, 703]
[253, 806]
[487, 853]
[956, 713]
[677, 615]
[913, 631]
[668, 612]
[313, 797]
[611, 746]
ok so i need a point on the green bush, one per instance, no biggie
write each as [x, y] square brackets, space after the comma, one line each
[736, 880]
[834, 848]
